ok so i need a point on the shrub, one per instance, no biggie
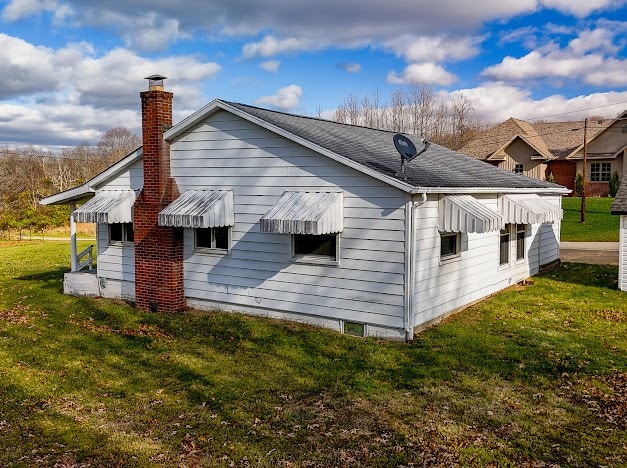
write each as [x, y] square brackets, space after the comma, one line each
[579, 184]
[614, 183]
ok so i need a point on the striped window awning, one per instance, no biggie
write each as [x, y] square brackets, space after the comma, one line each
[464, 213]
[528, 209]
[200, 209]
[108, 207]
[306, 213]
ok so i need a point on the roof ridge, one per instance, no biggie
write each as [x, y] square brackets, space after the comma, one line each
[319, 119]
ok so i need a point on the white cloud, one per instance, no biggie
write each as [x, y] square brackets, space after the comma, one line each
[496, 102]
[434, 48]
[579, 8]
[587, 57]
[19, 9]
[271, 66]
[153, 33]
[286, 99]
[350, 67]
[427, 73]
[270, 46]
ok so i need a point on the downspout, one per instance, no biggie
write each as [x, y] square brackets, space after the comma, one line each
[410, 267]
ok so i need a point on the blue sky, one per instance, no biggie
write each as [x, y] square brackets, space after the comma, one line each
[73, 69]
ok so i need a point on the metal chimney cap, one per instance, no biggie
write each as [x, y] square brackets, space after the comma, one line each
[155, 82]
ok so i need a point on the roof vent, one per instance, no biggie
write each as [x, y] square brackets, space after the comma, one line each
[155, 82]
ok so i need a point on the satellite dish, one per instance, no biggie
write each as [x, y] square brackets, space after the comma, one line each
[404, 146]
[407, 150]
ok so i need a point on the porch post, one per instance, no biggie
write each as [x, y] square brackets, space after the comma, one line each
[73, 259]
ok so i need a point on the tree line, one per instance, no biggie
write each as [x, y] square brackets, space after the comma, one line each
[417, 110]
[28, 174]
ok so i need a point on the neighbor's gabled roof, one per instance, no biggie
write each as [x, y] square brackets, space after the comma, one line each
[89, 188]
[619, 207]
[601, 128]
[372, 151]
[552, 140]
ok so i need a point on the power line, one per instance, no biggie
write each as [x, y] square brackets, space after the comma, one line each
[580, 110]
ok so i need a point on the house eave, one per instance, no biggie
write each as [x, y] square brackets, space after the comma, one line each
[490, 190]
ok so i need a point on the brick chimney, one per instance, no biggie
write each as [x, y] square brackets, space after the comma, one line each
[158, 250]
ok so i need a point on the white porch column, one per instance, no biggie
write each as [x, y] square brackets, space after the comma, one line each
[74, 260]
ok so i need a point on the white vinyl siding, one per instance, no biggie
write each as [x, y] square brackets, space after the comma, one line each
[442, 287]
[622, 257]
[116, 263]
[229, 153]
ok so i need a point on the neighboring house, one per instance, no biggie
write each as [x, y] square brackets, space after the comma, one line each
[539, 149]
[279, 215]
[619, 207]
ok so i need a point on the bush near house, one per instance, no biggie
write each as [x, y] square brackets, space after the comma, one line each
[614, 183]
[600, 225]
[535, 376]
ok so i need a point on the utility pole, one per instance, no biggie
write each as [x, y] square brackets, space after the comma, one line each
[583, 191]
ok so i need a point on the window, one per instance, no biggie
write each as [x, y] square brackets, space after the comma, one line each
[519, 169]
[354, 329]
[121, 232]
[504, 245]
[600, 172]
[449, 244]
[212, 238]
[520, 241]
[317, 246]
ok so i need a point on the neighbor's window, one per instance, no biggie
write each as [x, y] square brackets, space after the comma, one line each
[121, 232]
[520, 241]
[519, 169]
[449, 244]
[600, 172]
[212, 238]
[504, 245]
[311, 245]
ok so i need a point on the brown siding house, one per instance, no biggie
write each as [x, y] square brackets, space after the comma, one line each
[541, 149]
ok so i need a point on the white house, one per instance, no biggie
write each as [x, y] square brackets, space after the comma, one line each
[619, 207]
[267, 213]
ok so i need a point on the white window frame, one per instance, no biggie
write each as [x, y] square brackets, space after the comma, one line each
[124, 240]
[213, 250]
[458, 245]
[315, 259]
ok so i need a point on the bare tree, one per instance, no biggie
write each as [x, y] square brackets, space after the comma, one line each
[117, 143]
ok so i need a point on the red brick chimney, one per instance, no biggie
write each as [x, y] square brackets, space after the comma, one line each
[158, 250]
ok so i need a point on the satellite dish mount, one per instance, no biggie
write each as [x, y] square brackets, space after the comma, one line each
[407, 150]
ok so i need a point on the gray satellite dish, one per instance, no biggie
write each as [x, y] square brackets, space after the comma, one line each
[407, 150]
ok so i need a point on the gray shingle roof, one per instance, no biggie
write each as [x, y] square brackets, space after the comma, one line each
[619, 207]
[436, 167]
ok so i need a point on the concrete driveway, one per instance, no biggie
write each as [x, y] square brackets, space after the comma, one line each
[604, 253]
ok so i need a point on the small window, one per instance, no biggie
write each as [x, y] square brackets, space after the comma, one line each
[449, 244]
[520, 241]
[504, 246]
[212, 238]
[323, 246]
[354, 329]
[600, 172]
[519, 169]
[121, 232]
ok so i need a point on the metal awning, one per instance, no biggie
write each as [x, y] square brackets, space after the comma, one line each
[199, 209]
[464, 213]
[528, 209]
[108, 207]
[305, 213]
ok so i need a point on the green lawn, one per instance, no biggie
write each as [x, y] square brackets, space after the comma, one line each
[600, 225]
[535, 376]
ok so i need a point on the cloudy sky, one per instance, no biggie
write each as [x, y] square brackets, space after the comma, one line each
[71, 69]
